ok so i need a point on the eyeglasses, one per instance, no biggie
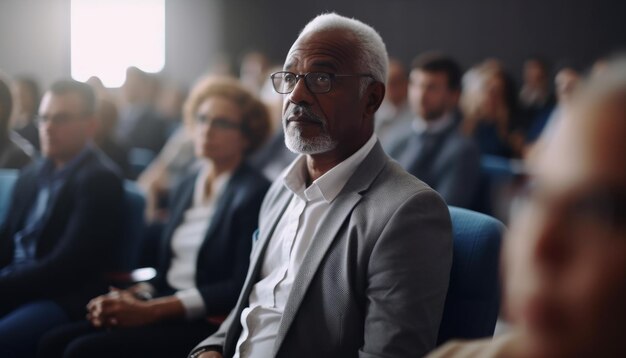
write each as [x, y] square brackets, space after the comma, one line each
[221, 123]
[57, 120]
[317, 82]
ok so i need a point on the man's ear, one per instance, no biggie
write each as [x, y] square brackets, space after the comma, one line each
[375, 94]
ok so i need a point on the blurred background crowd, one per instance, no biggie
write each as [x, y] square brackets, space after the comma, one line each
[510, 68]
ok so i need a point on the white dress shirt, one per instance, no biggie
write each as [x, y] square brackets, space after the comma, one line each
[287, 248]
[187, 240]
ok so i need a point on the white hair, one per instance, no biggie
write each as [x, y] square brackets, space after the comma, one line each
[371, 50]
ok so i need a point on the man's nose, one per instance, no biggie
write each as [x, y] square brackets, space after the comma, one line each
[300, 93]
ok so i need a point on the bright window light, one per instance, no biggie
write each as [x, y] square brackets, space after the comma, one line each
[108, 36]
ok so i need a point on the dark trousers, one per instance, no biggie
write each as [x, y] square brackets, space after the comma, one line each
[22, 328]
[167, 339]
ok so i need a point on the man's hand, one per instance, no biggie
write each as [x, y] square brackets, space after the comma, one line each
[211, 354]
[119, 308]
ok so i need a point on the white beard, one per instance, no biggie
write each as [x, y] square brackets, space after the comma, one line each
[295, 143]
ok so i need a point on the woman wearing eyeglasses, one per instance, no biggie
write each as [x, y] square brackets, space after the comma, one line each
[205, 248]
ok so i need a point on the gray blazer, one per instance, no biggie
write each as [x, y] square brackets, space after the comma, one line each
[374, 281]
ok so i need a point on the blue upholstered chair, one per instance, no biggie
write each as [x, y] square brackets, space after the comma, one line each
[473, 300]
[8, 177]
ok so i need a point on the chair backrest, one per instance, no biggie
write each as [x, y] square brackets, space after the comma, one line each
[139, 159]
[473, 300]
[8, 177]
[127, 257]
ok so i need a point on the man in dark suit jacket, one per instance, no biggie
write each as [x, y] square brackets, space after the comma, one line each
[434, 151]
[353, 254]
[63, 224]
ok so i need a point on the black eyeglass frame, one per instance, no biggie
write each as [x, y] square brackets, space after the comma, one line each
[306, 76]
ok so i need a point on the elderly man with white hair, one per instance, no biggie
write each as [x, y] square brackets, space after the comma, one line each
[353, 254]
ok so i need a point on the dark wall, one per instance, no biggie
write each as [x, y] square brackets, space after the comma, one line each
[34, 34]
[469, 30]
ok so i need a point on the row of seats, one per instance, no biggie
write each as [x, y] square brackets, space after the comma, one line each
[472, 304]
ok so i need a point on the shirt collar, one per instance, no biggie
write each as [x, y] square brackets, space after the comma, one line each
[329, 185]
[422, 126]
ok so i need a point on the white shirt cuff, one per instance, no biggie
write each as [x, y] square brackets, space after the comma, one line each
[193, 303]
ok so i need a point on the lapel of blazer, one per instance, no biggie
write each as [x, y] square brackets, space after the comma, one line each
[277, 208]
[332, 221]
[58, 201]
[178, 211]
[225, 200]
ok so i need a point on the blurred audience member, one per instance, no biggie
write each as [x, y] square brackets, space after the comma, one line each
[536, 103]
[253, 71]
[205, 248]
[434, 150]
[488, 107]
[165, 172]
[15, 151]
[26, 104]
[535, 93]
[98, 87]
[140, 125]
[565, 82]
[565, 258]
[63, 225]
[393, 119]
[107, 118]
[170, 106]
[599, 65]
[174, 162]
[273, 157]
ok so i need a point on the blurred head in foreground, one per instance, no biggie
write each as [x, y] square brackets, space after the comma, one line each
[565, 258]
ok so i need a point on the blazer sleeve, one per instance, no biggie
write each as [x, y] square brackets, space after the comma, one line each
[408, 275]
[85, 244]
[215, 342]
